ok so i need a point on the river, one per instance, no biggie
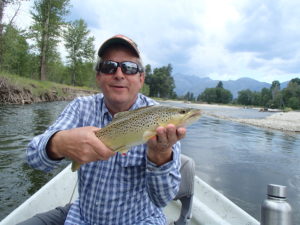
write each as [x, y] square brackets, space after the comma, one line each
[236, 159]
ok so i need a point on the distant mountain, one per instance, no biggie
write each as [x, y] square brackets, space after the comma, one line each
[196, 85]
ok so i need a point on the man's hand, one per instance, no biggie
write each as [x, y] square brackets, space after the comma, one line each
[78, 144]
[160, 146]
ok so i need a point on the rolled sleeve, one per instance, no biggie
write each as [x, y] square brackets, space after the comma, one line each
[37, 155]
[163, 181]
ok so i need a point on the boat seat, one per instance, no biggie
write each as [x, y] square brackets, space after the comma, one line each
[186, 190]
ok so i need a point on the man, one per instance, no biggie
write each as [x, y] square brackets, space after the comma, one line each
[113, 188]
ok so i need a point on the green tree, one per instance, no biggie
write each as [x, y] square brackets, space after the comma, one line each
[291, 94]
[295, 81]
[277, 101]
[216, 95]
[294, 102]
[3, 4]
[265, 97]
[209, 95]
[161, 82]
[48, 17]
[80, 47]
[245, 97]
[58, 72]
[189, 96]
[223, 96]
[16, 56]
[220, 84]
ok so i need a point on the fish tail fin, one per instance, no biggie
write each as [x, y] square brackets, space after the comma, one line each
[75, 166]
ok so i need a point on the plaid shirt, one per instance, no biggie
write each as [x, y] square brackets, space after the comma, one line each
[126, 189]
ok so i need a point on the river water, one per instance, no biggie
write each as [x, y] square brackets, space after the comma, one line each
[236, 159]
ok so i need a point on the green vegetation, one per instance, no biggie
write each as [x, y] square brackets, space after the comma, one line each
[80, 49]
[40, 59]
[287, 98]
[39, 88]
[160, 81]
[216, 95]
[48, 20]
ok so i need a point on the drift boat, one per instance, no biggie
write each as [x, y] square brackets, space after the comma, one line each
[199, 205]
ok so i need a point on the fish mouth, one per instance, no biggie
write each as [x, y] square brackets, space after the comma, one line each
[195, 113]
[193, 116]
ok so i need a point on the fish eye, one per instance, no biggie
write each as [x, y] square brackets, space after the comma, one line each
[183, 111]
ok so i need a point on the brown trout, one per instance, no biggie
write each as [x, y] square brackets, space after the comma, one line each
[131, 128]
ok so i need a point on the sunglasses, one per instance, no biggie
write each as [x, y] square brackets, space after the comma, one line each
[127, 67]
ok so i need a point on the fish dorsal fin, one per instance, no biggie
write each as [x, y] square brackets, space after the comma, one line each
[120, 115]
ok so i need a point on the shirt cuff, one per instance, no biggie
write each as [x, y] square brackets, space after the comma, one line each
[154, 169]
[43, 152]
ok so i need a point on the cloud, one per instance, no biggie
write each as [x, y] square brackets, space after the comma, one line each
[269, 30]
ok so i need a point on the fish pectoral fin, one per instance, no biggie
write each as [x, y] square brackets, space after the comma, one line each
[122, 149]
[148, 134]
[75, 166]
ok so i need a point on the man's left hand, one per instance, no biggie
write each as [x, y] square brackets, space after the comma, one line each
[160, 146]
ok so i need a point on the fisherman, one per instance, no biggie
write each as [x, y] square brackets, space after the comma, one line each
[113, 188]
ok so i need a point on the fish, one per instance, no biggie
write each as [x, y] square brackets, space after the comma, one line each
[135, 127]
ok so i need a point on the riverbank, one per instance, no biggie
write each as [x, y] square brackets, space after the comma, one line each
[20, 90]
[285, 121]
[289, 121]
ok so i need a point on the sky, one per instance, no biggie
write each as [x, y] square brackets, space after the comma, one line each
[219, 39]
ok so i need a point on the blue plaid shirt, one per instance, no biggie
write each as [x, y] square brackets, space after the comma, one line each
[126, 189]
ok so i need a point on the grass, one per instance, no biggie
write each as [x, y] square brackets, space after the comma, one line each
[37, 87]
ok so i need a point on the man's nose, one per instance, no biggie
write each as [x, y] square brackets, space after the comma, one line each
[119, 73]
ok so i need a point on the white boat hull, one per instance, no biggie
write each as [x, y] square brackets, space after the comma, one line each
[209, 206]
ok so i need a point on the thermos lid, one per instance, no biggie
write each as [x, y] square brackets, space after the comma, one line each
[276, 190]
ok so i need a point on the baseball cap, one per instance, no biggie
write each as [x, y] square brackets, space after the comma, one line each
[118, 39]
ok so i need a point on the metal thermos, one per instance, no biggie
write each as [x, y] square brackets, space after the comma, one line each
[275, 210]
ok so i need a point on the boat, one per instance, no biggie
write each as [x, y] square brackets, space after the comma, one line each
[205, 205]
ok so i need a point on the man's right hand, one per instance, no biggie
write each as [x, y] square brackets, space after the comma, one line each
[78, 144]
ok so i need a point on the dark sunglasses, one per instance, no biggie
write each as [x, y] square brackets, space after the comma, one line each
[127, 67]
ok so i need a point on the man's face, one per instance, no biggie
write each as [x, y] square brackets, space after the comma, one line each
[120, 90]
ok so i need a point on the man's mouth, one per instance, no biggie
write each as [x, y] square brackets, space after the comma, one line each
[118, 86]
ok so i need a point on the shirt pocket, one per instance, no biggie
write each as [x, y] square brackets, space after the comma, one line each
[132, 169]
[136, 156]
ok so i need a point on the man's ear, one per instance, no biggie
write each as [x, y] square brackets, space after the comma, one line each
[142, 78]
[98, 76]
